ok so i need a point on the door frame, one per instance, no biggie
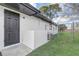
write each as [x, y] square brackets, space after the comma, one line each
[5, 29]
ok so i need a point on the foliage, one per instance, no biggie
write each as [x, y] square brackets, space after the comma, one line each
[71, 9]
[62, 45]
[50, 10]
[44, 9]
[62, 27]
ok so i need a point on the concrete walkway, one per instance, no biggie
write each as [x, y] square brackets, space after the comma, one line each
[18, 50]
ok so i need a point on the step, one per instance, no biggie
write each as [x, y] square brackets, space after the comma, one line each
[17, 50]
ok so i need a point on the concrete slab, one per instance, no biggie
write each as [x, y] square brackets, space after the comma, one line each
[17, 50]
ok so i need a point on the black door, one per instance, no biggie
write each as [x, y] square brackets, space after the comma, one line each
[11, 28]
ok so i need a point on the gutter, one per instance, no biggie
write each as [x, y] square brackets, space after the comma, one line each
[30, 7]
[36, 13]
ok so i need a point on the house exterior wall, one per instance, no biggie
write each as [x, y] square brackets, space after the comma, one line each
[33, 30]
[55, 29]
[1, 27]
[40, 38]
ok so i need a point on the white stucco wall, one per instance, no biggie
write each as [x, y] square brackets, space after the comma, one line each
[55, 29]
[1, 27]
[27, 38]
[40, 38]
[33, 31]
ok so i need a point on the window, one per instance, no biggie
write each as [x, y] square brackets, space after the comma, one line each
[50, 27]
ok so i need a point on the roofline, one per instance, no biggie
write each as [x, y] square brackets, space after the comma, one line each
[37, 12]
[30, 7]
[45, 18]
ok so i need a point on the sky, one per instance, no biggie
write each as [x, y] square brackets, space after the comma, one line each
[38, 5]
[66, 11]
[61, 20]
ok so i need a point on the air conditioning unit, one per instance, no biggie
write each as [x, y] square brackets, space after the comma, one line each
[49, 36]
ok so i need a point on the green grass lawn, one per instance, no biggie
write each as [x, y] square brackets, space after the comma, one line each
[62, 45]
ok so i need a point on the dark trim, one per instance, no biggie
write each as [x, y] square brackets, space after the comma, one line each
[45, 18]
[20, 7]
[30, 7]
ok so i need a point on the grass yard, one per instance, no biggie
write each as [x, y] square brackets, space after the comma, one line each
[62, 45]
